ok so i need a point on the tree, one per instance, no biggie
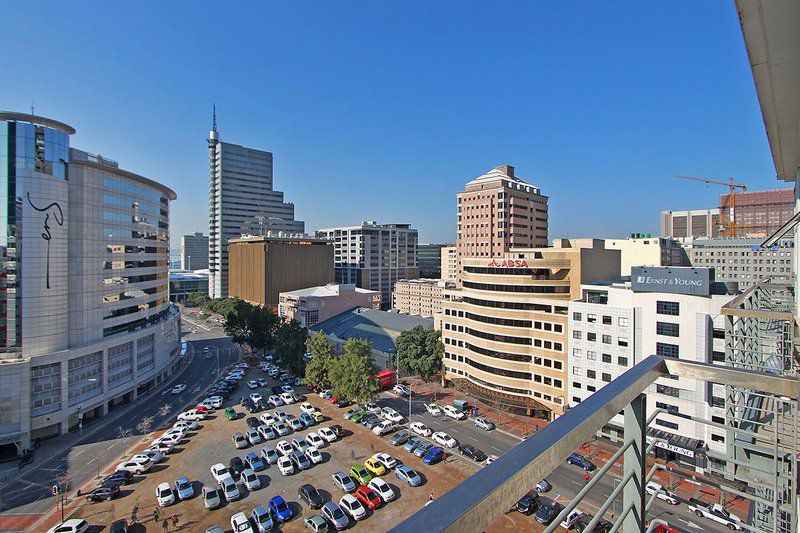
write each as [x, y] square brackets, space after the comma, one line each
[319, 366]
[290, 346]
[251, 324]
[144, 425]
[353, 373]
[420, 351]
[197, 299]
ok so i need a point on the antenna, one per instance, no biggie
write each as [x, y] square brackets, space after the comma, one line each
[214, 123]
[32, 109]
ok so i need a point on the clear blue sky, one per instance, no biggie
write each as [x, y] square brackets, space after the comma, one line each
[383, 110]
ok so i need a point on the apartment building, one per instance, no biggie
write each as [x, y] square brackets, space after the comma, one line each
[643, 249]
[374, 256]
[449, 266]
[694, 223]
[673, 312]
[498, 211]
[505, 329]
[420, 296]
[744, 260]
[313, 305]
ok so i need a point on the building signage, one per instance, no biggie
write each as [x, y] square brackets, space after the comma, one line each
[513, 263]
[671, 447]
[58, 216]
[675, 280]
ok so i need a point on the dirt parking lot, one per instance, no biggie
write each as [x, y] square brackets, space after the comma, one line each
[212, 444]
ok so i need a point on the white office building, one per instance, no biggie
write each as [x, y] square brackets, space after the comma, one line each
[617, 324]
[241, 200]
[85, 320]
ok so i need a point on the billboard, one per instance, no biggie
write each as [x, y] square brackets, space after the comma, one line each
[675, 280]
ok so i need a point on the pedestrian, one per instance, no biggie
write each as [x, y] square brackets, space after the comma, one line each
[155, 514]
[175, 520]
[431, 496]
[586, 478]
[352, 454]
[165, 525]
[134, 512]
[372, 447]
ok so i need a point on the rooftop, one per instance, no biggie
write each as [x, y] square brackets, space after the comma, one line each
[381, 328]
[331, 289]
[503, 173]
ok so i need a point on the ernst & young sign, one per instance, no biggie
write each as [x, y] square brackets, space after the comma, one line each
[675, 280]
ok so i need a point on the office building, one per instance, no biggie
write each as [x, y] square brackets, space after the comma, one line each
[263, 267]
[317, 304]
[182, 283]
[757, 213]
[449, 266]
[420, 296]
[374, 256]
[744, 260]
[498, 211]
[429, 257]
[241, 200]
[696, 223]
[641, 249]
[505, 329]
[672, 312]
[85, 321]
[194, 252]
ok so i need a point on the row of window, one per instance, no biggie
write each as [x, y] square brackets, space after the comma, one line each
[607, 320]
[527, 289]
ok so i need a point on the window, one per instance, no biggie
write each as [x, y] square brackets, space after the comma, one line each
[606, 377]
[718, 419]
[717, 438]
[669, 391]
[664, 423]
[718, 357]
[576, 385]
[606, 339]
[591, 374]
[667, 350]
[623, 322]
[606, 358]
[666, 328]
[576, 399]
[576, 370]
[622, 341]
[576, 334]
[576, 316]
[591, 356]
[607, 320]
[672, 409]
[622, 361]
[716, 401]
[668, 308]
[719, 333]
[591, 388]
[591, 317]
[577, 352]
[591, 336]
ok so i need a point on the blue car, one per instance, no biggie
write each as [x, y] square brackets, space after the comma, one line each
[306, 420]
[254, 462]
[433, 456]
[581, 461]
[279, 508]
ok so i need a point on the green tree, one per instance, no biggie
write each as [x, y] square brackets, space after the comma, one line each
[353, 373]
[420, 351]
[290, 346]
[319, 366]
[238, 322]
[197, 299]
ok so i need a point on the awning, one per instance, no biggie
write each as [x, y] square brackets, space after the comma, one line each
[496, 397]
[675, 443]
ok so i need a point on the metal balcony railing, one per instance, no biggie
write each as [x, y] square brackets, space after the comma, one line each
[483, 498]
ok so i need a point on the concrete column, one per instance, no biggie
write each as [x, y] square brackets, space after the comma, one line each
[634, 461]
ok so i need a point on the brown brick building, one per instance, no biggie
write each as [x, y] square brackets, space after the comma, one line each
[758, 213]
[261, 268]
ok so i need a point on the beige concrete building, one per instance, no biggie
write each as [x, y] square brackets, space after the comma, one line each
[317, 304]
[505, 329]
[641, 250]
[449, 263]
[498, 211]
[420, 296]
[260, 268]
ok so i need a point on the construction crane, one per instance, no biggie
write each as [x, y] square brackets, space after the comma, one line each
[732, 186]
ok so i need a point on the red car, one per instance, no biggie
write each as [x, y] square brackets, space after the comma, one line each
[333, 399]
[661, 528]
[368, 497]
[201, 409]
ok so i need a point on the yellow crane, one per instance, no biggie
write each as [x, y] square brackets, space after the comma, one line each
[732, 186]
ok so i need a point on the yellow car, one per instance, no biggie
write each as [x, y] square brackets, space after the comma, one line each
[375, 467]
[317, 416]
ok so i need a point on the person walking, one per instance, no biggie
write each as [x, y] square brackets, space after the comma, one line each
[431, 496]
[586, 478]
[134, 512]
[155, 514]
[165, 525]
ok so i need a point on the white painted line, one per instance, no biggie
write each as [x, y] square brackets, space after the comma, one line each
[90, 462]
[111, 446]
[80, 452]
[576, 483]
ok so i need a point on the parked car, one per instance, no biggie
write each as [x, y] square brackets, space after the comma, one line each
[343, 481]
[235, 466]
[73, 525]
[103, 493]
[489, 460]
[184, 488]
[315, 440]
[241, 524]
[408, 475]
[472, 452]
[307, 408]
[280, 509]
[661, 493]
[452, 412]
[269, 455]
[483, 423]
[311, 496]
[262, 519]
[239, 441]
[433, 409]
[421, 429]
[360, 474]
[254, 462]
[387, 426]
[317, 417]
[211, 497]
[547, 512]
[285, 466]
[399, 438]
[382, 489]
[433, 456]
[307, 420]
[266, 432]
[386, 460]
[338, 430]
[135, 467]
[300, 460]
[353, 507]
[374, 467]
[581, 461]
[250, 479]
[120, 477]
[287, 398]
[370, 421]
[401, 390]
[335, 516]
[284, 448]
[543, 486]
[231, 414]
[316, 524]
[423, 448]
[327, 434]
[411, 444]
[571, 518]
[253, 436]
[313, 455]
[218, 471]
[528, 503]
[440, 437]
[164, 495]
[229, 488]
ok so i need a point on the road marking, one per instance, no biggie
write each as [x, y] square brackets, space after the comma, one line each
[80, 452]
[689, 523]
[494, 448]
[575, 482]
[111, 446]
[90, 462]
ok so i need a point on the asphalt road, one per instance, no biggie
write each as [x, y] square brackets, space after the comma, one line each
[84, 456]
[567, 480]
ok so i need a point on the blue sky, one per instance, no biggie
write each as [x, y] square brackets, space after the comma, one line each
[383, 110]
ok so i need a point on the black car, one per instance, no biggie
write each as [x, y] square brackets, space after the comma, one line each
[547, 512]
[472, 452]
[236, 466]
[103, 493]
[528, 503]
[253, 422]
[582, 523]
[120, 477]
[311, 495]
[372, 421]
[276, 390]
[338, 430]
[119, 526]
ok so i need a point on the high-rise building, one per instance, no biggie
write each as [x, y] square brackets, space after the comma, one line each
[757, 213]
[498, 211]
[505, 330]
[374, 256]
[742, 260]
[194, 252]
[420, 296]
[696, 223]
[241, 200]
[640, 249]
[429, 257]
[85, 321]
[449, 266]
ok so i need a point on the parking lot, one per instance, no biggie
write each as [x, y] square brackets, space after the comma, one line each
[212, 444]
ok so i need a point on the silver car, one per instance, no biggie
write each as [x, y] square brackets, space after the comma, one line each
[334, 515]
[211, 498]
[184, 488]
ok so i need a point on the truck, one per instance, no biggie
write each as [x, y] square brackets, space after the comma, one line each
[717, 513]
[386, 379]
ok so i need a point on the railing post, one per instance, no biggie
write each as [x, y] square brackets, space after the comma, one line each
[634, 464]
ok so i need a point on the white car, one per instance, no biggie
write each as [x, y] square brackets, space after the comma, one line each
[253, 436]
[73, 525]
[401, 390]
[353, 507]
[250, 479]
[268, 419]
[281, 429]
[307, 407]
[266, 432]
[155, 457]
[287, 398]
[313, 455]
[386, 460]
[218, 471]
[382, 488]
[286, 466]
[216, 401]
[177, 389]
[252, 384]
[287, 388]
[135, 467]
[208, 404]
[452, 412]
[275, 401]
[241, 524]
[229, 488]
[442, 438]
[315, 440]
[661, 493]
[284, 448]
[255, 397]
[164, 495]
[242, 366]
[421, 429]
[192, 415]
[186, 425]
[269, 455]
[490, 459]
[571, 518]
[383, 428]
[326, 394]
[433, 409]
[281, 415]
[160, 447]
[327, 434]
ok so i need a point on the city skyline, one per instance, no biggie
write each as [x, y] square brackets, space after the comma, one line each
[675, 97]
